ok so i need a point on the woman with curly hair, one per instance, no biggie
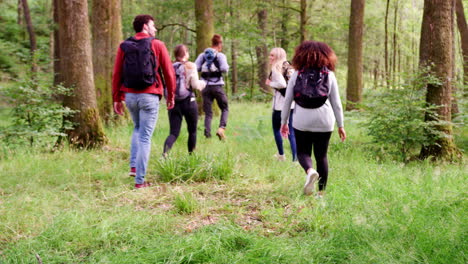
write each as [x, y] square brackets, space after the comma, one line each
[314, 88]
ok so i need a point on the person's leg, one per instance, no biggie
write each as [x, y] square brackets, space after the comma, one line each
[191, 117]
[207, 102]
[131, 103]
[175, 122]
[321, 142]
[292, 137]
[276, 123]
[148, 105]
[304, 149]
[221, 99]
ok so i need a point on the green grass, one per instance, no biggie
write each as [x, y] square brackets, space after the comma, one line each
[231, 202]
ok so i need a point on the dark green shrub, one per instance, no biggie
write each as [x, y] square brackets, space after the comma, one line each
[396, 123]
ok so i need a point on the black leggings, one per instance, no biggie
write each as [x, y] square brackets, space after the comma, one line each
[187, 108]
[320, 140]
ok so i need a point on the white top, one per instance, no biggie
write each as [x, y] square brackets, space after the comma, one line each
[320, 119]
[277, 81]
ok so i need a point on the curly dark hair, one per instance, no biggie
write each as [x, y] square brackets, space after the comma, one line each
[140, 21]
[314, 54]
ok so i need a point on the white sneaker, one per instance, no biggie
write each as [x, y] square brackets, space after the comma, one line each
[280, 157]
[311, 178]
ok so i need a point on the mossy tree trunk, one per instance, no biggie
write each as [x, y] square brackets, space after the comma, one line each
[205, 26]
[107, 35]
[355, 66]
[262, 51]
[77, 73]
[204, 31]
[436, 52]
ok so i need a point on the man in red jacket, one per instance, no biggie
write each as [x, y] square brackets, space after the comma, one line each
[136, 80]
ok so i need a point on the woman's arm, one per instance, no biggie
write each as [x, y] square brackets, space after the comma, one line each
[277, 80]
[192, 77]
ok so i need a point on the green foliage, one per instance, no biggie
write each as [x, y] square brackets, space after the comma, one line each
[195, 168]
[397, 119]
[35, 116]
[185, 203]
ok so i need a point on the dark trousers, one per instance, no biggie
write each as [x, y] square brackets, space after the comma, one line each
[319, 140]
[214, 92]
[276, 122]
[187, 108]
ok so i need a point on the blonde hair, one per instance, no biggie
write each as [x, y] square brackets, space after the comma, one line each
[280, 58]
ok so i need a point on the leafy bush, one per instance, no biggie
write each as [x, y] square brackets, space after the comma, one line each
[396, 122]
[36, 117]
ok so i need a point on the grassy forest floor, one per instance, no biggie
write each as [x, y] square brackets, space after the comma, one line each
[231, 202]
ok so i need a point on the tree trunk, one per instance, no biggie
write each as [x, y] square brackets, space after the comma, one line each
[387, 75]
[354, 84]
[234, 44]
[32, 35]
[107, 35]
[204, 31]
[436, 52]
[463, 29]
[57, 74]
[205, 26]
[303, 23]
[285, 16]
[262, 51]
[395, 36]
[77, 73]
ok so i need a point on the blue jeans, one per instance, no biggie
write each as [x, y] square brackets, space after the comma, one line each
[276, 121]
[144, 109]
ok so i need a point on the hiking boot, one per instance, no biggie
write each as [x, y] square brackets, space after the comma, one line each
[311, 178]
[143, 185]
[132, 172]
[280, 157]
[220, 133]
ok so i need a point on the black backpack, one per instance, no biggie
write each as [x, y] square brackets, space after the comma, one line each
[139, 63]
[284, 70]
[311, 88]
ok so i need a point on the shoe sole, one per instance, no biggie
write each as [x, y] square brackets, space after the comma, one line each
[309, 185]
[131, 174]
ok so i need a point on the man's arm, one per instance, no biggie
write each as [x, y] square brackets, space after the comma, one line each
[117, 95]
[164, 61]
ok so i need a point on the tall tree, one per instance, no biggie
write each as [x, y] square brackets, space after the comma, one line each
[31, 33]
[387, 74]
[234, 45]
[205, 26]
[355, 66]
[463, 29]
[77, 73]
[107, 34]
[285, 17]
[56, 43]
[262, 51]
[303, 22]
[436, 52]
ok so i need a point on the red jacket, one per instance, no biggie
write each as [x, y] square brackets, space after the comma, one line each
[163, 61]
